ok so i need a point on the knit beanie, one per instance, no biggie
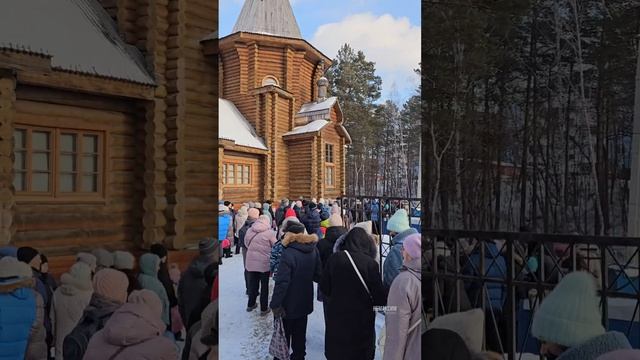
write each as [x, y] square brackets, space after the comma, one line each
[289, 213]
[222, 208]
[79, 276]
[253, 213]
[26, 254]
[294, 227]
[11, 267]
[569, 315]
[148, 298]
[627, 354]
[335, 220]
[399, 222]
[104, 258]
[111, 284]
[123, 260]
[264, 219]
[87, 259]
[312, 205]
[335, 209]
[412, 245]
[367, 226]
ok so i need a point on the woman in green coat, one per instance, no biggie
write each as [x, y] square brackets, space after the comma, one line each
[148, 279]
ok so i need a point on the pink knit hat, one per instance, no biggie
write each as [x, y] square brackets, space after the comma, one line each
[253, 213]
[413, 245]
[264, 219]
[111, 284]
[629, 354]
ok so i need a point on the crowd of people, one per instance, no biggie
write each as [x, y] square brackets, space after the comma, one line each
[567, 322]
[299, 243]
[106, 307]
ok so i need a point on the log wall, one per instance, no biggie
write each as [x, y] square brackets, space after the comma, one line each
[241, 194]
[67, 227]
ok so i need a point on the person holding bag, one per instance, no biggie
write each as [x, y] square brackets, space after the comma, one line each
[404, 319]
[292, 299]
[352, 283]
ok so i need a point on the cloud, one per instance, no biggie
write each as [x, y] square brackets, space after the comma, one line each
[393, 43]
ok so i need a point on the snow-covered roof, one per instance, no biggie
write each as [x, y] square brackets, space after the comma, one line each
[78, 35]
[270, 17]
[324, 105]
[233, 126]
[311, 127]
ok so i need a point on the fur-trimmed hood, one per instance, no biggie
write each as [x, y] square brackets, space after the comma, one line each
[290, 238]
[9, 286]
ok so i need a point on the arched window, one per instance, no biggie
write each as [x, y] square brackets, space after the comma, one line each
[270, 80]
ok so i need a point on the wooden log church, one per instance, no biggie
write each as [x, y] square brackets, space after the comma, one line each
[280, 135]
[107, 123]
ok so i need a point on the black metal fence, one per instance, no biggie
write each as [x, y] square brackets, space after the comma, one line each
[378, 210]
[509, 274]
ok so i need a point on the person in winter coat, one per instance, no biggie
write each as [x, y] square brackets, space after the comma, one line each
[334, 231]
[238, 221]
[125, 262]
[399, 228]
[69, 302]
[266, 211]
[252, 216]
[350, 320]
[225, 228]
[568, 322]
[163, 275]
[109, 293]
[495, 267]
[148, 279]
[311, 220]
[22, 332]
[280, 213]
[292, 297]
[259, 240]
[134, 331]
[193, 283]
[33, 258]
[403, 324]
[375, 216]
[104, 258]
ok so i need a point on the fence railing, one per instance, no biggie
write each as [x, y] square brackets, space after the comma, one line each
[378, 210]
[509, 274]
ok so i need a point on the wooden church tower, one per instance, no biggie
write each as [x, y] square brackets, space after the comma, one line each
[280, 136]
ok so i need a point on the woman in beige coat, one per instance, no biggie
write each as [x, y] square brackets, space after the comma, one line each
[69, 302]
[404, 317]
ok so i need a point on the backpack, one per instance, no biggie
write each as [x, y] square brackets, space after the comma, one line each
[75, 344]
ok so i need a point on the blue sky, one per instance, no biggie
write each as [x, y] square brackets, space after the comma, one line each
[387, 31]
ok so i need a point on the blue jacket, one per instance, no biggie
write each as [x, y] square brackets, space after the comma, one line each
[375, 211]
[224, 221]
[393, 261]
[495, 267]
[299, 267]
[17, 314]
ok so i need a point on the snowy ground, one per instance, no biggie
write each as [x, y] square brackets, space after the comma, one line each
[246, 335]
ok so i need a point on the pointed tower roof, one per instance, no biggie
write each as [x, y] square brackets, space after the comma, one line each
[270, 17]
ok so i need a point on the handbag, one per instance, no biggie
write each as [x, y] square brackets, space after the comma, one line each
[358, 273]
[279, 347]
